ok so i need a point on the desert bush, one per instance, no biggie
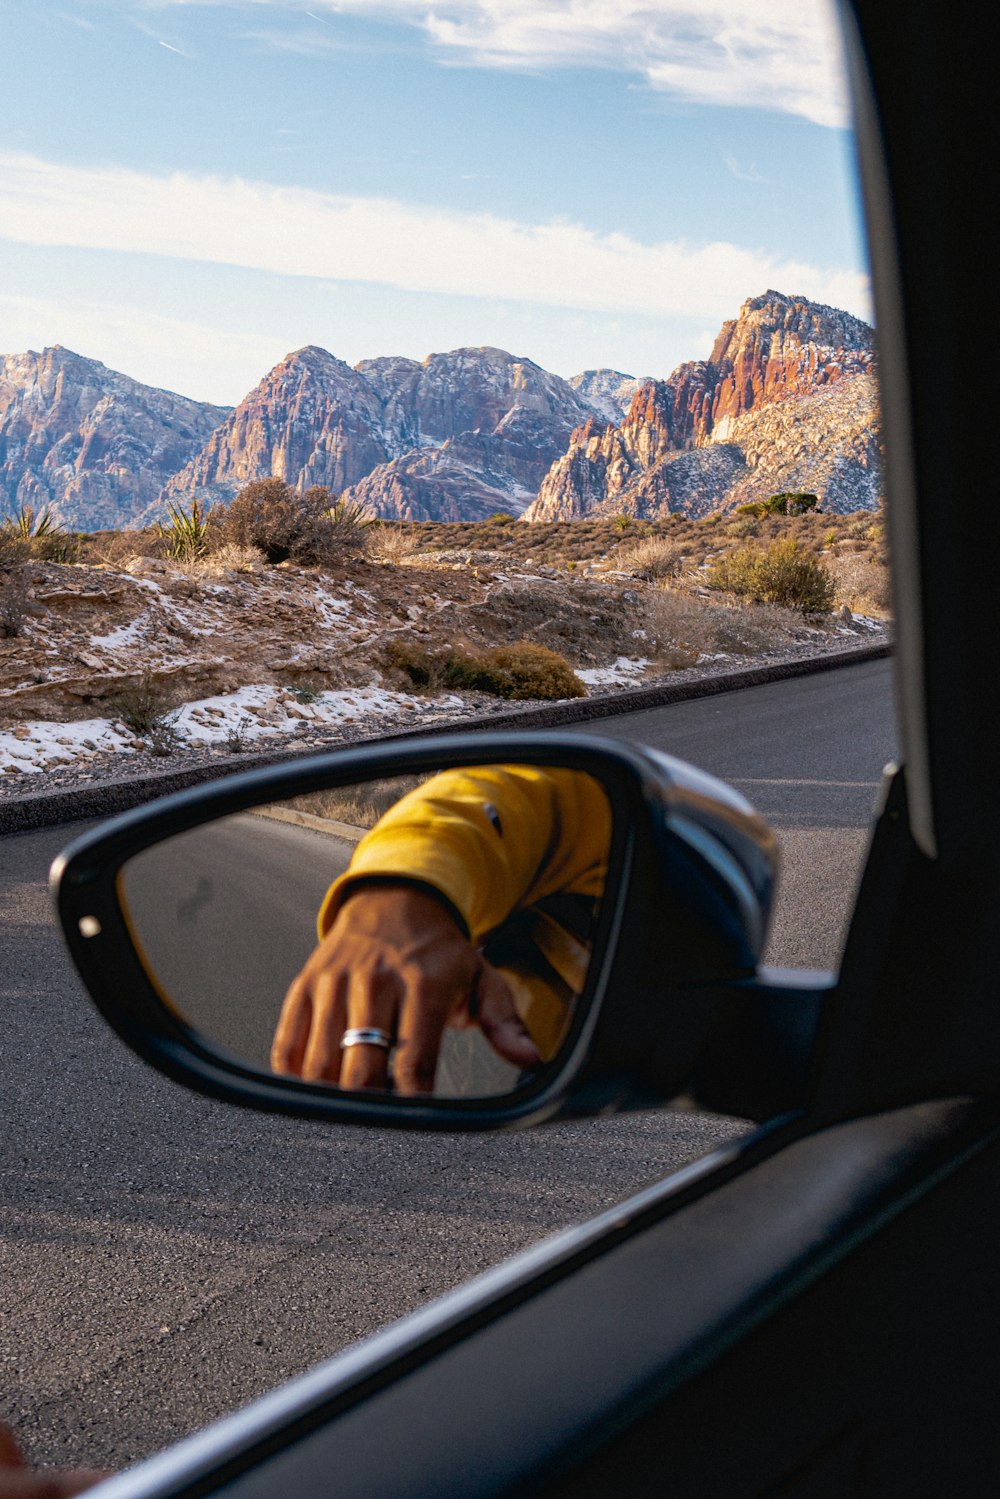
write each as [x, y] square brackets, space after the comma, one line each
[145, 709]
[518, 671]
[231, 557]
[13, 600]
[392, 544]
[13, 548]
[238, 736]
[860, 523]
[35, 534]
[359, 806]
[652, 557]
[742, 526]
[789, 502]
[781, 573]
[689, 625]
[118, 548]
[862, 583]
[501, 518]
[284, 525]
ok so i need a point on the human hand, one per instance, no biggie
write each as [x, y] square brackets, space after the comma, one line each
[18, 1481]
[394, 959]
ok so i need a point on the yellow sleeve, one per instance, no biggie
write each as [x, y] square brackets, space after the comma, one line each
[491, 839]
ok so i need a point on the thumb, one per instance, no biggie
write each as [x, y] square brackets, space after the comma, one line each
[500, 1023]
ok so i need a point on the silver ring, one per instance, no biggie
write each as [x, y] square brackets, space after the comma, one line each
[366, 1035]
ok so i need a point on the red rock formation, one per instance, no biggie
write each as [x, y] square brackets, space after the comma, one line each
[778, 349]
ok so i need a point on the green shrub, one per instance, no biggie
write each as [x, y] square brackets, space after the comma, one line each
[519, 671]
[789, 502]
[501, 518]
[781, 573]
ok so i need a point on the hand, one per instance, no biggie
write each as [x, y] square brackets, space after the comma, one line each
[18, 1481]
[394, 958]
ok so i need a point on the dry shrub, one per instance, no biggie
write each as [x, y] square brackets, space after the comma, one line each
[392, 544]
[117, 549]
[742, 526]
[14, 548]
[700, 627]
[229, 556]
[780, 573]
[862, 524]
[286, 526]
[652, 558]
[862, 583]
[519, 671]
[145, 709]
[359, 806]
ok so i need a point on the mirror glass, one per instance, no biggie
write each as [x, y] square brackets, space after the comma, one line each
[412, 934]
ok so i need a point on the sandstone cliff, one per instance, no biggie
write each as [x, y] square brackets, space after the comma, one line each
[460, 435]
[89, 445]
[787, 400]
[457, 436]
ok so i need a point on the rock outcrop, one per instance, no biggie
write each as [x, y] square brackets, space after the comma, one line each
[787, 400]
[460, 435]
[608, 392]
[457, 436]
[89, 445]
[311, 420]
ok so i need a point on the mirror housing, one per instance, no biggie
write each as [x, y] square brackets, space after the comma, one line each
[682, 925]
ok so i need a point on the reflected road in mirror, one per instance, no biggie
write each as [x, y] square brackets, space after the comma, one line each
[454, 917]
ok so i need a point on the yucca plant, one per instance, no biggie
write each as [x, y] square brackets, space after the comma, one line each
[186, 536]
[29, 526]
[349, 514]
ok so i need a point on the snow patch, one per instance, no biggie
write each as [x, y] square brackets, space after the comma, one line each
[35, 747]
[624, 670]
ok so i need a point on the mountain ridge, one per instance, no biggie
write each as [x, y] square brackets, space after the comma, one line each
[464, 433]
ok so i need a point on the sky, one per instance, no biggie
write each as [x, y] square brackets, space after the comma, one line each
[190, 189]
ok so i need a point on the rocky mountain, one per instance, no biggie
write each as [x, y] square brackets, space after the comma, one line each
[787, 400]
[89, 445]
[461, 434]
[608, 392]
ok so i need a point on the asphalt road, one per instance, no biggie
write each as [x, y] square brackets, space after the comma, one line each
[226, 917]
[164, 1258]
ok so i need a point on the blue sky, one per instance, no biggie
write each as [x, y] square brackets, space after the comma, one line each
[190, 190]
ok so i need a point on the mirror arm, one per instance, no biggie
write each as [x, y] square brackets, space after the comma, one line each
[760, 1059]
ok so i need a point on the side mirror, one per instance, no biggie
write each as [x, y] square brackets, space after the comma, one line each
[470, 932]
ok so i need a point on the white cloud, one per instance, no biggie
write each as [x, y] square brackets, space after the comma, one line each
[297, 232]
[767, 54]
[175, 353]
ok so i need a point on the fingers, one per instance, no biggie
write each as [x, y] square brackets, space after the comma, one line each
[500, 1022]
[427, 1008]
[372, 1002]
[291, 1035]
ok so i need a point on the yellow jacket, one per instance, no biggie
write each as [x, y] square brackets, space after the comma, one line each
[496, 841]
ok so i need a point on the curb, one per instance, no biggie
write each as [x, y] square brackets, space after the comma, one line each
[41, 809]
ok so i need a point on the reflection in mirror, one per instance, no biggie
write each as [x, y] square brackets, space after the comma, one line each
[420, 935]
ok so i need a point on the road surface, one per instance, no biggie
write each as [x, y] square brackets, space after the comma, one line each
[164, 1258]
